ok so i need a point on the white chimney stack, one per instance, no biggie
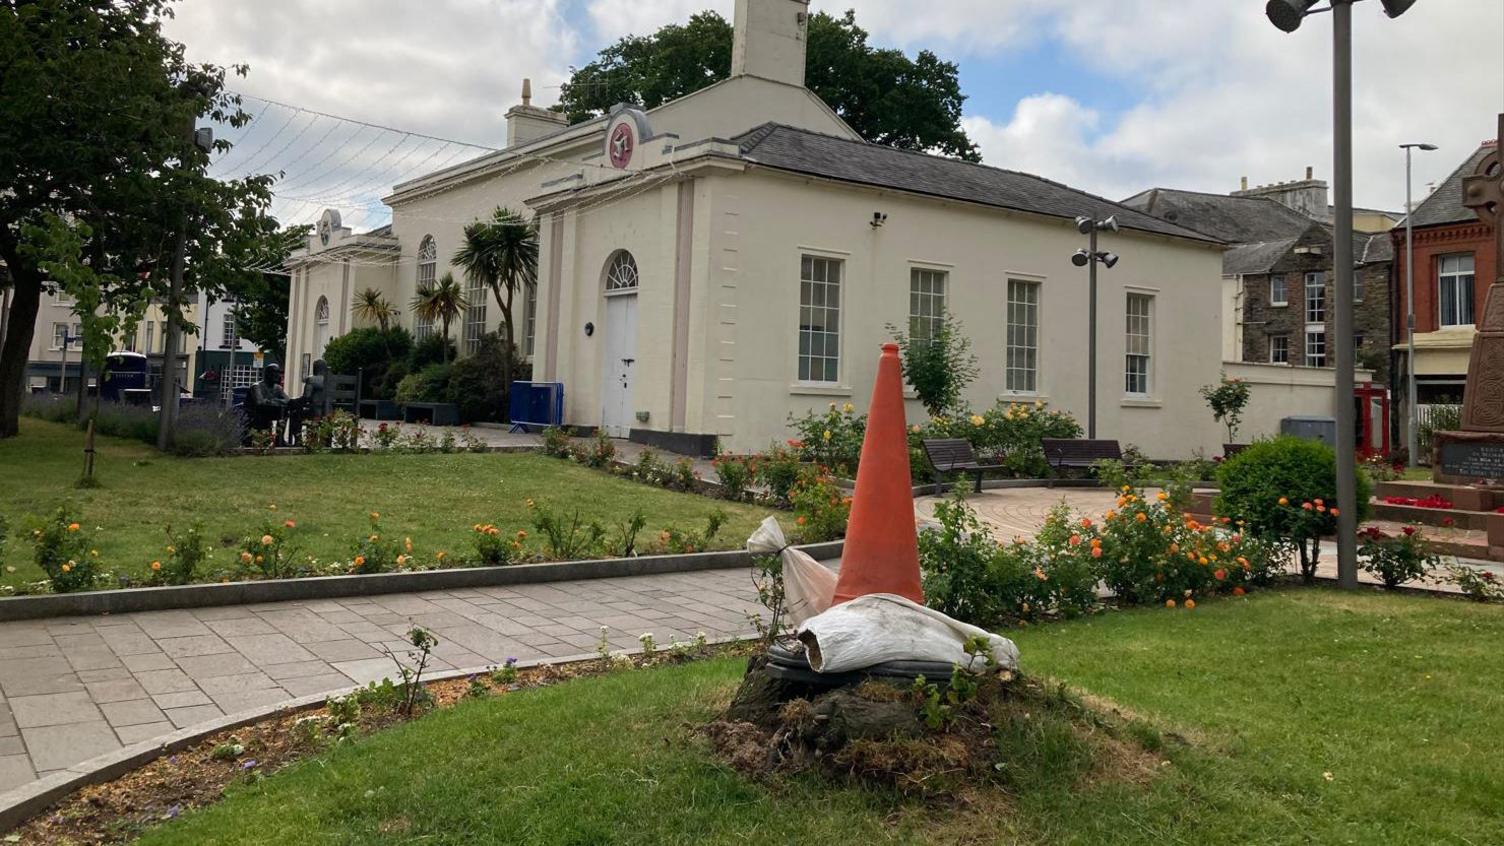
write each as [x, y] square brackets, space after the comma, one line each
[770, 40]
[527, 122]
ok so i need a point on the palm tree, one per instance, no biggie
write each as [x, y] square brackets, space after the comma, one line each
[441, 302]
[372, 306]
[501, 254]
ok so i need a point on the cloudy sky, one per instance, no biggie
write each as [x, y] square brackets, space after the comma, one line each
[1111, 96]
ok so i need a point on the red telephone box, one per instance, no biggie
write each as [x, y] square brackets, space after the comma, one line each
[1372, 405]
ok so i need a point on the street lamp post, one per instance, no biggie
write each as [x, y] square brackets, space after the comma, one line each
[1090, 258]
[1412, 411]
[1287, 15]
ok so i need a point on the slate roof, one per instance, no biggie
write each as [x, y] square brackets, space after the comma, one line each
[1445, 203]
[1255, 258]
[1374, 248]
[1236, 220]
[802, 151]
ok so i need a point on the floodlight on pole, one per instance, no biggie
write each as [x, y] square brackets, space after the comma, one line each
[1091, 257]
[1412, 410]
[1287, 15]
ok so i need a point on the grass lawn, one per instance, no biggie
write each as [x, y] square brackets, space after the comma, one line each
[435, 499]
[1308, 717]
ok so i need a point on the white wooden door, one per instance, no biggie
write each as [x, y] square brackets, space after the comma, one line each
[621, 355]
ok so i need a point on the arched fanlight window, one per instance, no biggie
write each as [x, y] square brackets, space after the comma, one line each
[321, 311]
[428, 273]
[621, 273]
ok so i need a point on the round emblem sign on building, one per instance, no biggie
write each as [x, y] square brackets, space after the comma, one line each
[621, 144]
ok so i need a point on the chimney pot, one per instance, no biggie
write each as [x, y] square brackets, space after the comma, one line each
[527, 91]
[1244, 184]
[1310, 172]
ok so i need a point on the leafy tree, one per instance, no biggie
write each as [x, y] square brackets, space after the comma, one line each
[502, 254]
[888, 98]
[1227, 399]
[379, 357]
[441, 302]
[261, 298]
[95, 111]
[938, 367]
[373, 307]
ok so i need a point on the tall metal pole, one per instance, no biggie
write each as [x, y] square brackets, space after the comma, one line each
[1091, 344]
[1412, 415]
[1347, 495]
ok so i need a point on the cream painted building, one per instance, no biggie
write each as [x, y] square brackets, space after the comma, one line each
[711, 266]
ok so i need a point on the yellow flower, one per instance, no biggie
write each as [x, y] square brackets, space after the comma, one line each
[1141, 517]
[1162, 496]
[440, 555]
[360, 560]
[259, 559]
[68, 568]
[156, 565]
[977, 420]
[374, 538]
[171, 550]
[375, 515]
[245, 557]
[93, 553]
[1284, 500]
[267, 540]
[407, 544]
[528, 502]
[825, 434]
[848, 408]
[1040, 574]
[72, 527]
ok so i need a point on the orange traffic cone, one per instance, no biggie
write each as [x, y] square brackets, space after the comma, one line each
[882, 549]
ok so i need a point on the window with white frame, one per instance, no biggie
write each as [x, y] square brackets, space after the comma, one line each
[1315, 297]
[475, 316]
[1279, 292]
[1279, 349]
[320, 312]
[1140, 345]
[59, 335]
[428, 269]
[1455, 276]
[1359, 288]
[926, 302]
[1022, 350]
[228, 337]
[530, 320]
[130, 342]
[1315, 346]
[820, 319]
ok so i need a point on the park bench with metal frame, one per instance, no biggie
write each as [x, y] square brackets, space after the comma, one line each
[954, 455]
[1077, 453]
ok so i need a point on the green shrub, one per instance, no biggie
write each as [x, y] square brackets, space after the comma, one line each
[556, 442]
[1282, 489]
[821, 508]
[61, 550]
[373, 353]
[1396, 559]
[433, 349]
[778, 469]
[735, 475]
[1009, 434]
[940, 367]
[833, 439]
[376, 553]
[431, 384]
[479, 383]
[269, 554]
[186, 553]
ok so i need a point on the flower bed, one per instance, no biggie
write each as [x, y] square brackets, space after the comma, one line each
[1434, 501]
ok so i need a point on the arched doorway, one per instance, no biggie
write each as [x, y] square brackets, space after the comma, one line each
[620, 344]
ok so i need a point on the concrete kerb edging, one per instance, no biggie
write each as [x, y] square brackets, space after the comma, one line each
[333, 587]
[28, 801]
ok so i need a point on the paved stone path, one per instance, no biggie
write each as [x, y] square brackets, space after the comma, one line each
[77, 687]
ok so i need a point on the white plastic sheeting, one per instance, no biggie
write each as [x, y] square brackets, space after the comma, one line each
[808, 586]
[883, 627]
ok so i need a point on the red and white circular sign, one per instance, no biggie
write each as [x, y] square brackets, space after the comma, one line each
[623, 141]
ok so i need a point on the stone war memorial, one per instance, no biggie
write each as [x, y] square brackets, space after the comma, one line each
[1474, 457]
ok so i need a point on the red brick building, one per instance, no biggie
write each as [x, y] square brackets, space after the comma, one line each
[1454, 266]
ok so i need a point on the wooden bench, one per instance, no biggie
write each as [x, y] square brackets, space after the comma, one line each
[1078, 453]
[434, 413]
[954, 455]
[344, 393]
[1229, 450]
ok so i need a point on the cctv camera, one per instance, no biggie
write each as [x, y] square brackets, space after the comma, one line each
[1084, 225]
[1081, 258]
